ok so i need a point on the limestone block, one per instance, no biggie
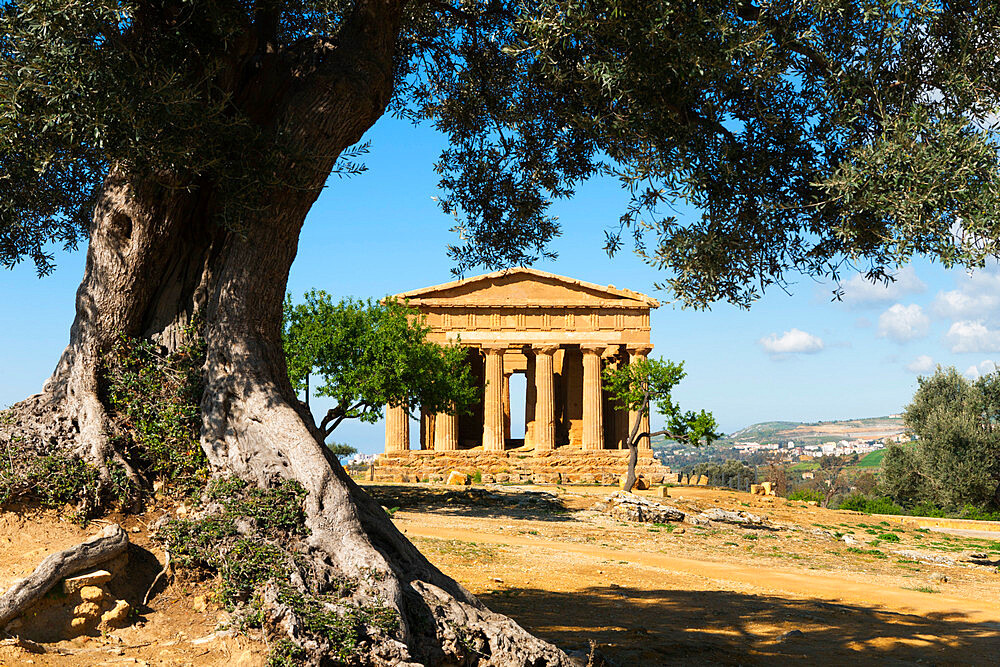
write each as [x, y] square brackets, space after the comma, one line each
[755, 489]
[117, 615]
[662, 492]
[91, 594]
[457, 478]
[641, 483]
[765, 488]
[79, 623]
[86, 610]
[684, 480]
[96, 578]
[703, 480]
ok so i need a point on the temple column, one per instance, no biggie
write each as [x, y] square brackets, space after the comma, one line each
[617, 417]
[545, 415]
[637, 354]
[506, 406]
[426, 429]
[593, 417]
[493, 422]
[445, 432]
[530, 398]
[397, 429]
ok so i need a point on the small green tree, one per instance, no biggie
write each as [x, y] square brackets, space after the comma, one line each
[956, 458]
[639, 385]
[340, 450]
[368, 354]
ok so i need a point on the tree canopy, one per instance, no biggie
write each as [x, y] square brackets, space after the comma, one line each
[368, 354]
[645, 383]
[803, 136]
[956, 458]
[649, 382]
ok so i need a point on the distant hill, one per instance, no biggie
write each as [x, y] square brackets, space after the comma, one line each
[815, 433]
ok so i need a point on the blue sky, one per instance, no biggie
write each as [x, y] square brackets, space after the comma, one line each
[796, 357]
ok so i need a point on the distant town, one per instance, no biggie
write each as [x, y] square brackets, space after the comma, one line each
[792, 442]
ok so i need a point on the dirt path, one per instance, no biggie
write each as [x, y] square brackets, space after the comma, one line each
[843, 588]
[653, 595]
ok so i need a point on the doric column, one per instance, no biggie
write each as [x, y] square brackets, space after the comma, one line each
[493, 426]
[426, 429]
[397, 429]
[530, 398]
[617, 417]
[445, 432]
[637, 354]
[593, 417]
[506, 405]
[545, 399]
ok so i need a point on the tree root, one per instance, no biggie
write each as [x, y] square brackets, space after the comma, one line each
[111, 542]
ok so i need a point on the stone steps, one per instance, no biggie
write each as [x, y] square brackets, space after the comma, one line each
[553, 467]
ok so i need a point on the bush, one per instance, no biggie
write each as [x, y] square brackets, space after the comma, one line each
[926, 509]
[858, 502]
[978, 514]
[153, 400]
[806, 495]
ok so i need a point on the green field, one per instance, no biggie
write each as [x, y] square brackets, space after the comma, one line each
[872, 460]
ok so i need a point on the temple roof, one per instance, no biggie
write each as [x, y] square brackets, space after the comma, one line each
[526, 288]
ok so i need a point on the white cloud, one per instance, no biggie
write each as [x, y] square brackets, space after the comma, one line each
[861, 292]
[902, 323]
[922, 364]
[976, 298]
[794, 341]
[972, 336]
[984, 367]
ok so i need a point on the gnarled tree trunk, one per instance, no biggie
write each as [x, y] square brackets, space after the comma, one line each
[157, 258]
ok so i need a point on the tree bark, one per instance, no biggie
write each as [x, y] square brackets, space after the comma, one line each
[158, 259]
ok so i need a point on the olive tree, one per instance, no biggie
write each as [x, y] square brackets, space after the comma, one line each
[645, 383]
[184, 141]
[370, 354]
[955, 460]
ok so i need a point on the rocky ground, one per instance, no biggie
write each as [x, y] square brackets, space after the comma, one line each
[797, 583]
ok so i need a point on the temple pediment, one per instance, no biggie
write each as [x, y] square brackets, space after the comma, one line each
[526, 288]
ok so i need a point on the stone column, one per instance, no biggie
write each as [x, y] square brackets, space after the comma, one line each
[593, 406]
[397, 429]
[617, 417]
[636, 354]
[545, 399]
[493, 426]
[445, 432]
[506, 405]
[426, 429]
[530, 398]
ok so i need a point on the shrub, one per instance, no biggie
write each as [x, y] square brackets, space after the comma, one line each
[859, 502]
[806, 494]
[248, 543]
[153, 400]
[926, 509]
[978, 514]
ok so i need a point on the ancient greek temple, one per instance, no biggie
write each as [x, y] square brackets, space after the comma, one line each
[560, 333]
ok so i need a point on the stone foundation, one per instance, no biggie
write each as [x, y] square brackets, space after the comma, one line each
[560, 466]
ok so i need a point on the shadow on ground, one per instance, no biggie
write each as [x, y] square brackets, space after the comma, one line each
[473, 501]
[674, 627]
